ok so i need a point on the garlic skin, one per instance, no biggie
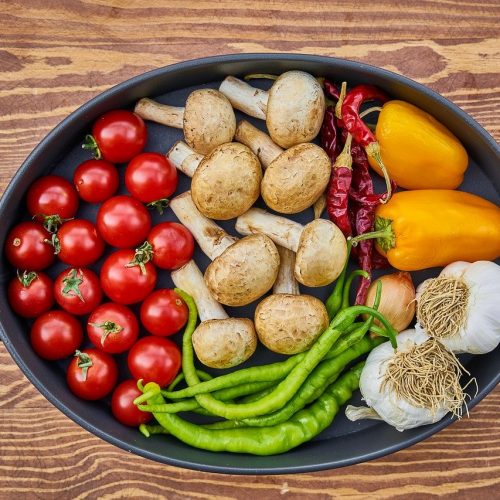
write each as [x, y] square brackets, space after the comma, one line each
[480, 332]
[392, 409]
[397, 302]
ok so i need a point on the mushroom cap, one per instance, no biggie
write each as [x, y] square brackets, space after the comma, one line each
[295, 109]
[223, 343]
[321, 255]
[209, 120]
[243, 272]
[296, 179]
[289, 324]
[227, 181]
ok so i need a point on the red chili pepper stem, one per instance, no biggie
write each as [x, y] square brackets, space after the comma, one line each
[373, 151]
[344, 159]
[338, 107]
[260, 76]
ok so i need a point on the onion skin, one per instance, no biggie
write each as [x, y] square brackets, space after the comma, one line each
[397, 302]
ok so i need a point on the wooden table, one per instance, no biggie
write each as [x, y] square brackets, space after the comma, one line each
[57, 54]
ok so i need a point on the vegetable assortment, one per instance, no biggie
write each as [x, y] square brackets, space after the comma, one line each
[408, 379]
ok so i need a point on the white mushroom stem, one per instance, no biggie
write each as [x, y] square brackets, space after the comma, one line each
[190, 279]
[282, 231]
[244, 97]
[211, 238]
[259, 142]
[172, 116]
[320, 245]
[286, 282]
[184, 158]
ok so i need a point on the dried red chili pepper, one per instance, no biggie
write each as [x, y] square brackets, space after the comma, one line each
[359, 130]
[329, 135]
[337, 197]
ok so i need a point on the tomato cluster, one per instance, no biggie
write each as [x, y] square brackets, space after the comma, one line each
[127, 276]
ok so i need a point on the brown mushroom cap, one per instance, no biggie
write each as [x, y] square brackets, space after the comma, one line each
[296, 179]
[295, 109]
[289, 324]
[223, 343]
[227, 182]
[321, 254]
[209, 120]
[244, 271]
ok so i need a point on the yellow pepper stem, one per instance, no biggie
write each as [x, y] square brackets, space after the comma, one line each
[383, 233]
[373, 151]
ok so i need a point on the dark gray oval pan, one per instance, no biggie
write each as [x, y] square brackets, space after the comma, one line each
[344, 443]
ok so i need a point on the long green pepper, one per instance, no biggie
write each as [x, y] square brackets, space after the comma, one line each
[302, 427]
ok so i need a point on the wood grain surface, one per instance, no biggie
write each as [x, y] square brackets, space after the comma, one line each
[57, 54]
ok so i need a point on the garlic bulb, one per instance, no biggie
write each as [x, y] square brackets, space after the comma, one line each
[397, 302]
[461, 307]
[417, 384]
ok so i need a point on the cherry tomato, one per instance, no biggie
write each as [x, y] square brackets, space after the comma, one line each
[96, 180]
[92, 374]
[79, 243]
[31, 294]
[154, 359]
[52, 199]
[126, 284]
[113, 328]
[27, 246]
[77, 291]
[119, 135]
[123, 222]
[123, 407]
[173, 245]
[151, 178]
[56, 335]
[163, 313]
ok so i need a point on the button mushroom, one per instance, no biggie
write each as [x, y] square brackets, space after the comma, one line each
[320, 245]
[219, 341]
[293, 179]
[226, 182]
[207, 119]
[293, 108]
[242, 270]
[286, 322]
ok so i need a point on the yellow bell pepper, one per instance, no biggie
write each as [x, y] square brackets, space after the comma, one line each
[427, 228]
[418, 151]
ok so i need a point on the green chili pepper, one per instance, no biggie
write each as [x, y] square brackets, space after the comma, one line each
[322, 376]
[302, 427]
[348, 284]
[333, 303]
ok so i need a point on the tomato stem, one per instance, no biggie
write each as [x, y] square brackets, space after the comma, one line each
[91, 144]
[142, 256]
[160, 205]
[26, 278]
[72, 284]
[84, 362]
[54, 241]
[107, 327]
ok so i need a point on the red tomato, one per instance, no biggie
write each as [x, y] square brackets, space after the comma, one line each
[123, 407]
[163, 313]
[126, 285]
[113, 328]
[27, 246]
[92, 374]
[52, 196]
[123, 222]
[151, 177]
[79, 243]
[96, 180]
[56, 335]
[173, 245]
[154, 359]
[78, 291]
[31, 294]
[120, 135]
